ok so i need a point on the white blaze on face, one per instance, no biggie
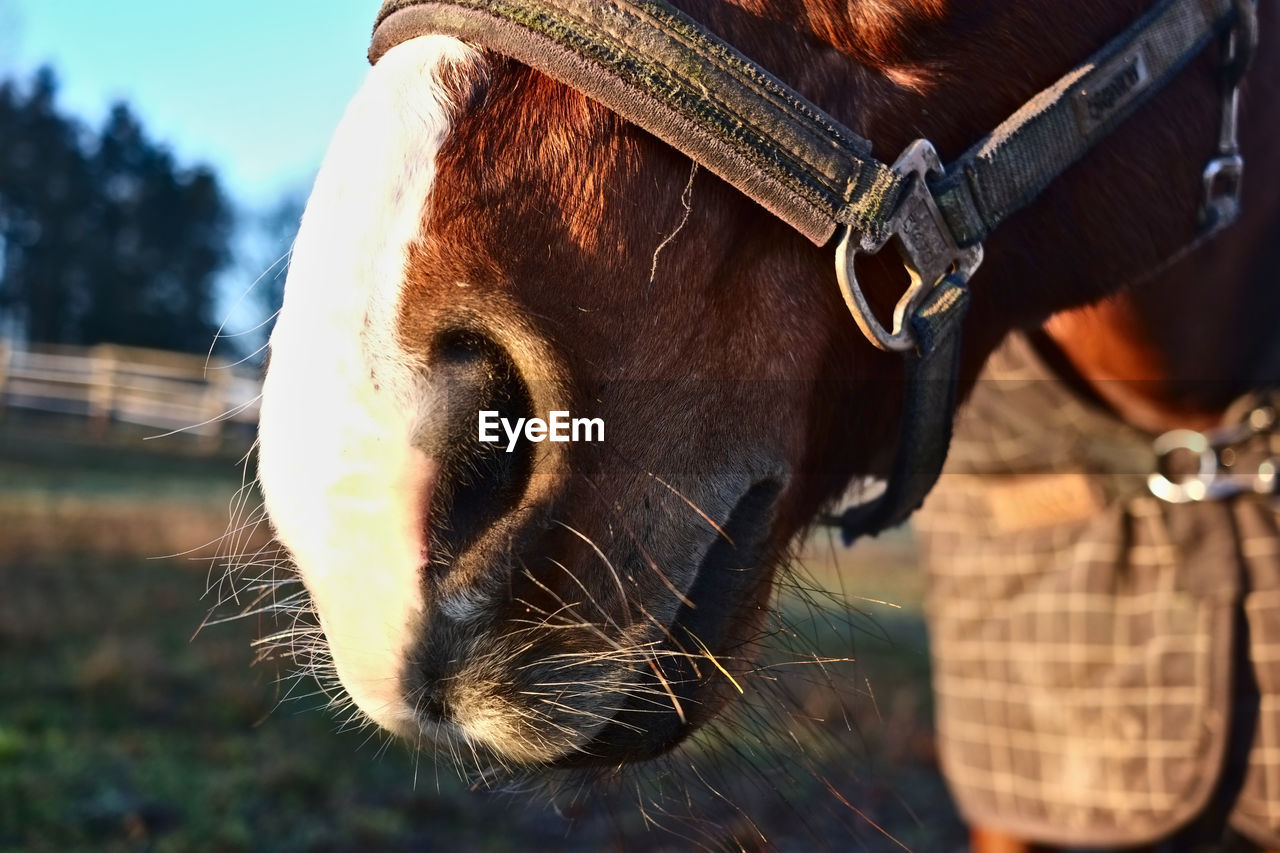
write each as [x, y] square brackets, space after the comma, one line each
[343, 485]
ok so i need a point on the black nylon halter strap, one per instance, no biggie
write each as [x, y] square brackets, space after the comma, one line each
[928, 404]
[663, 71]
[1005, 171]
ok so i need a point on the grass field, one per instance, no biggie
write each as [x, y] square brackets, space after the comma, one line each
[119, 731]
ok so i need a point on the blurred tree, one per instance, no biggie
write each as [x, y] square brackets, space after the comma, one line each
[161, 234]
[277, 229]
[262, 250]
[105, 237]
[43, 181]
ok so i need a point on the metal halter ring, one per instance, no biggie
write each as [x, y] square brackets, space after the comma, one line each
[1215, 455]
[1191, 488]
[923, 240]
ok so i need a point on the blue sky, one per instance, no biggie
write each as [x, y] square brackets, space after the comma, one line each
[254, 87]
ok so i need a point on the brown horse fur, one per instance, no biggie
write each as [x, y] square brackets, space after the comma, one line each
[616, 282]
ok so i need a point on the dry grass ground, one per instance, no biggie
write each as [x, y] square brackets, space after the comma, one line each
[119, 731]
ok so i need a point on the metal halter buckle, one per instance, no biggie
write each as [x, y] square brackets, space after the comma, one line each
[923, 240]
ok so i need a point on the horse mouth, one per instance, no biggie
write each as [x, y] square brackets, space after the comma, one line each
[706, 649]
[512, 701]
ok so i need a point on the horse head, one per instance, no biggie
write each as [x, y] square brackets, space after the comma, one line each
[482, 238]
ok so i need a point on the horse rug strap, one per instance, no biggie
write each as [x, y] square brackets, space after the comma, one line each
[666, 73]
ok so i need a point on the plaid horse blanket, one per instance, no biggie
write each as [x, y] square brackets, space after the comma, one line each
[1106, 664]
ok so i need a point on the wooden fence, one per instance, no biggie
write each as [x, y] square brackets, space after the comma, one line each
[109, 384]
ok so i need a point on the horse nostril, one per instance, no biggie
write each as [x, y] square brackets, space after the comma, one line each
[479, 482]
[427, 679]
[433, 706]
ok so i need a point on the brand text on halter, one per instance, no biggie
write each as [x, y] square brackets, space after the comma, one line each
[558, 427]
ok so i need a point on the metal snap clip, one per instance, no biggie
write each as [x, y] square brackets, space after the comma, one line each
[1224, 173]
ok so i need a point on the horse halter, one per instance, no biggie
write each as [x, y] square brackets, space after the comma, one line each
[663, 71]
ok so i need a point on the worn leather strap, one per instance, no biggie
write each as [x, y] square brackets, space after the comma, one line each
[663, 71]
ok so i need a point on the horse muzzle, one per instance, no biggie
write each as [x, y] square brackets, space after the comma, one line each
[543, 604]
